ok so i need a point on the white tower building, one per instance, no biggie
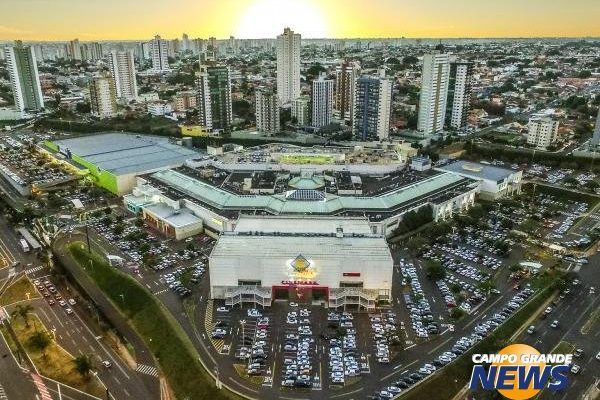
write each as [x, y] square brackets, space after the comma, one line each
[434, 93]
[288, 66]
[122, 69]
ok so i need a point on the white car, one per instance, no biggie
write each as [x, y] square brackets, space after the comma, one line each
[575, 369]
[72, 302]
[253, 312]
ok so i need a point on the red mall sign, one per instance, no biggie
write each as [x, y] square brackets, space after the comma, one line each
[351, 273]
[300, 283]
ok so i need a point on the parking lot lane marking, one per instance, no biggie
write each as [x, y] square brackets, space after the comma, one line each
[126, 393]
[437, 347]
[397, 366]
[487, 308]
[342, 394]
[395, 372]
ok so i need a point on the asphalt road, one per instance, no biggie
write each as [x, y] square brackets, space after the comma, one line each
[572, 312]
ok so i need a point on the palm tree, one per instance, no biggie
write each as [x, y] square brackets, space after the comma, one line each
[23, 311]
[83, 365]
[40, 340]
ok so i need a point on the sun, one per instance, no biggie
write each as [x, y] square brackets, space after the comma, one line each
[267, 18]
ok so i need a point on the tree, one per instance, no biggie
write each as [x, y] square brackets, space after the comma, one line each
[84, 365]
[23, 311]
[415, 244]
[40, 340]
[457, 313]
[435, 270]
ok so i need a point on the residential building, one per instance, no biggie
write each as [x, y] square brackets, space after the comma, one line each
[159, 54]
[322, 101]
[288, 66]
[103, 98]
[184, 101]
[267, 111]
[159, 108]
[185, 43]
[122, 69]
[95, 51]
[74, 50]
[300, 110]
[372, 108]
[543, 132]
[24, 77]
[345, 84]
[434, 93]
[596, 137]
[459, 94]
[39, 52]
[214, 98]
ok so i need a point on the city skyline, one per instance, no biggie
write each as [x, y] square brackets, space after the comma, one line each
[45, 20]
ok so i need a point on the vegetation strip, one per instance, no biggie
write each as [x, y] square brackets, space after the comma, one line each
[177, 357]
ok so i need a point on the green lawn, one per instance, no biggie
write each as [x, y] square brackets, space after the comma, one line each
[175, 353]
[307, 159]
[18, 291]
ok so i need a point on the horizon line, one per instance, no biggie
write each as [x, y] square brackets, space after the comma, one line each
[320, 38]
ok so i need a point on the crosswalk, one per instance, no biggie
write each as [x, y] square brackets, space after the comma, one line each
[147, 369]
[2, 394]
[161, 292]
[34, 270]
[41, 386]
[209, 325]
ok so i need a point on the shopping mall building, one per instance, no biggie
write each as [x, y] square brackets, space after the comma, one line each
[338, 263]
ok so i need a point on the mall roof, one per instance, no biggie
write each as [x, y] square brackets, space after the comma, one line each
[177, 218]
[122, 153]
[317, 248]
[478, 171]
[278, 204]
[302, 224]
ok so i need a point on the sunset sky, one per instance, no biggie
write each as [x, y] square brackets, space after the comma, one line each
[141, 19]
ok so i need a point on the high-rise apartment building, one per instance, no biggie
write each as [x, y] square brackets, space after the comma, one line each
[543, 132]
[596, 137]
[459, 94]
[103, 99]
[322, 101]
[300, 110]
[434, 93]
[214, 98]
[74, 50]
[345, 84]
[184, 101]
[185, 43]
[288, 66]
[39, 52]
[95, 51]
[122, 69]
[159, 54]
[372, 108]
[24, 77]
[267, 111]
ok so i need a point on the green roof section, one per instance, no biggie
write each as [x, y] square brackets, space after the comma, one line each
[278, 204]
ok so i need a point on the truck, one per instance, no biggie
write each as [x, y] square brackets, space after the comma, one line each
[24, 245]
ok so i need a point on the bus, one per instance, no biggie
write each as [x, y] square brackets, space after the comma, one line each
[24, 245]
